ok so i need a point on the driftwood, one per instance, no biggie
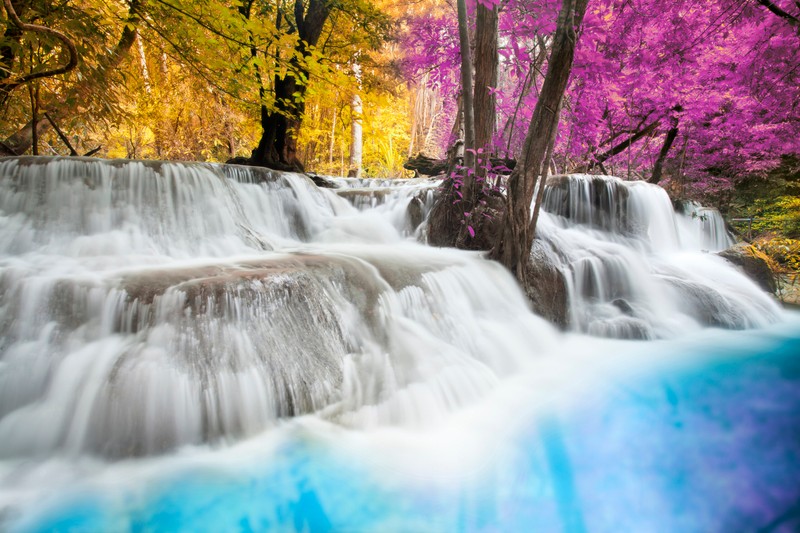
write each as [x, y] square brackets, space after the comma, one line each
[429, 166]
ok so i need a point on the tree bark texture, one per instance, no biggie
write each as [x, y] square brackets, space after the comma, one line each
[484, 121]
[466, 86]
[277, 147]
[516, 238]
[486, 63]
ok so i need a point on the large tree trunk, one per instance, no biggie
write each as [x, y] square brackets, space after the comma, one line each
[455, 220]
[473, 230]
[466, 86]
[486, 62]
[516, 238]
[277, 147]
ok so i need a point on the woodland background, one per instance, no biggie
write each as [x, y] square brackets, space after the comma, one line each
[701, 97]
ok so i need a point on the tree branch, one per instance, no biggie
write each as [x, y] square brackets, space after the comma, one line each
[791, 19]
[624, 145]
[9, 85]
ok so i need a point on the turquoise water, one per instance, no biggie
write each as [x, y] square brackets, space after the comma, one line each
[707, 439]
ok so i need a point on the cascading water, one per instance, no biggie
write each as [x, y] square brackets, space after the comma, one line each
[207, 348]
[637, 269]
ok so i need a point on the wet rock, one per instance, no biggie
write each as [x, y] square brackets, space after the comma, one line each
[546, 287]
[752, 262]
[366, 197]
[415, 213]
[321, 181]
[623, 306]
[708, 306]
[626, 328]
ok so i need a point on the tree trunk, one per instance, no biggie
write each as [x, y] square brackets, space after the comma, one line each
[332, 143]
[486, 62]
[356, 138]
[143, 64]
[484, 120]
[516, 238]
[466, 87]
[277, 147]
[662, 155]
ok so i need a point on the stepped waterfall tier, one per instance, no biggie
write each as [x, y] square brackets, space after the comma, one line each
[197, 347]
[637, 269]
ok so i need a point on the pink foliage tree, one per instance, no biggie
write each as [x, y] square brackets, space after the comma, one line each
[701, 93]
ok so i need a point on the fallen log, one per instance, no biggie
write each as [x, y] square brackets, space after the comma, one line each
[429, 166]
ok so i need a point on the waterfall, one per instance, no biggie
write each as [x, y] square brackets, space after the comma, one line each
[635, 268]
[147, 306]
[163, 325]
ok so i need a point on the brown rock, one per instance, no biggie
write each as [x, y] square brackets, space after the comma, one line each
[752, 262]
[546, 287]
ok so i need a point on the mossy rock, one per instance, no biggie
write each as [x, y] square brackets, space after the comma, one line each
[752, 262]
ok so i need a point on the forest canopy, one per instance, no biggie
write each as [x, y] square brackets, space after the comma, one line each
[698, 96]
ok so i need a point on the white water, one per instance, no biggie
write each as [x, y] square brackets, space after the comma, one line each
[636, 268]
[146, 307]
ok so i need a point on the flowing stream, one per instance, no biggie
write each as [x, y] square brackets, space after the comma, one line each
[193, 347]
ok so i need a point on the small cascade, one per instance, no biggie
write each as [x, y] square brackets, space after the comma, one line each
[707, 224]
[81, 208]
[406, 202]
[595, 201]
[637, 269]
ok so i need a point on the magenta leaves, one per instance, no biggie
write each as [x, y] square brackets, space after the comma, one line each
[732, 66]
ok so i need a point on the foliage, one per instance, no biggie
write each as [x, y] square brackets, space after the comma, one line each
[785, 252]
[725, 74]
[325, 133]
[193, 85]
[784, 258]
[773, 201]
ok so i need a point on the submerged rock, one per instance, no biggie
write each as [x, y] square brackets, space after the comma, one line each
[623, 306]
[752, 262]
